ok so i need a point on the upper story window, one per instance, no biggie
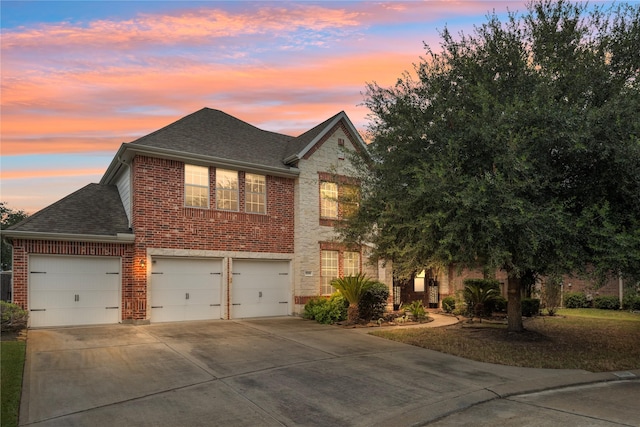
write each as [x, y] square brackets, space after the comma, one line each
[255, 190]
[328, 200]
[350, 200]
[226, 190]
[196, 186]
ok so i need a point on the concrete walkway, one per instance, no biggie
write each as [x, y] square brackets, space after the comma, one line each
[284, 371]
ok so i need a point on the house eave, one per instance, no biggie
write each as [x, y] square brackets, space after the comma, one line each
[125, 238]
[127, 151]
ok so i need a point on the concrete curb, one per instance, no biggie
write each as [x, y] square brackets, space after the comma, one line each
[427, 414]
[562, 381]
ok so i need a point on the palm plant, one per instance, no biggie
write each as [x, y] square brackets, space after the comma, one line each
[352, 289]
[479, 293]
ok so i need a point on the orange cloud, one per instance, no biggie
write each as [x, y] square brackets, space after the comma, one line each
[65, 106]
[48, 173]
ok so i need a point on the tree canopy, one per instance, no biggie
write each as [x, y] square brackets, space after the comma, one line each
[8, 217]
[515, 148]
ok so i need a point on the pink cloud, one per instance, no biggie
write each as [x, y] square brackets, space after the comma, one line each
[187, 27]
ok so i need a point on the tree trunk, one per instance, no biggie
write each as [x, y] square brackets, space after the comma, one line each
[353, 314]
[514, 305]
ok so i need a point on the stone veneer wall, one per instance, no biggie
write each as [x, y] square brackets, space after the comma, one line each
[327, 158]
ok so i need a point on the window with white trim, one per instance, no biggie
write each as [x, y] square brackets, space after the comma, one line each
[255, 190]
[227, 190]
[351, 263]
[328, 271]
[196, 186]
[328, 200]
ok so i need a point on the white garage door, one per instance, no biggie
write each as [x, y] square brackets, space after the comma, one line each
[65, 290]
[185, 289]
[260, 288]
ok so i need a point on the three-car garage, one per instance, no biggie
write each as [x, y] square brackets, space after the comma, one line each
[87, 290]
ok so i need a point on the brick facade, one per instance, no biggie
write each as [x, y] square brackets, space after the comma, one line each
[161, 220]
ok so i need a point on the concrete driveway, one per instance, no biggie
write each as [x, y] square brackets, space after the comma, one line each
[259, 372]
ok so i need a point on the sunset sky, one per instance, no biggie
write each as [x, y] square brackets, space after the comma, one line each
[81, 77]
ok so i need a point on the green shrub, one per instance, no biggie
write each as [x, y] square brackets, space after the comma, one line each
[448, 304]
[631, 302]
[530, 307]
[417, 310]
[499, 304]
[327, 311]
[480, 296]
[13, 317]
[374, 302]
[575, 300]
[606, 302]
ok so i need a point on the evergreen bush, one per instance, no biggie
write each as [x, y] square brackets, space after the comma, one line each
[499, 304]
[606, 302]
[374, 302]
[327, 311]
[13, 317]
[575, 300]
[631, 302]
[448, 304]
[530, 307]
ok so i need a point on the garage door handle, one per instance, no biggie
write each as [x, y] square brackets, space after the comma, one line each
[38, 272]
[284, 302]
[236, 304]
[186, 296]
[77, 298]
[110, 308]
[38, 309]
[216, 273]
[157, 272]
[111, 273]
[156, 306]
[214, 305]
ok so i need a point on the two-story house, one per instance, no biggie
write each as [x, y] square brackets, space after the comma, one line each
[207, 218]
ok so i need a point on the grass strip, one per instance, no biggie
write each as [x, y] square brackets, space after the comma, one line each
[12, 355]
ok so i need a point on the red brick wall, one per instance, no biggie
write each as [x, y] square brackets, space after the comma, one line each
[23, 248]
[591, 287]
[160, 219]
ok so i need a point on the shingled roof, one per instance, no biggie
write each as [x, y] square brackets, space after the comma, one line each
[95, 209]
[210, 132]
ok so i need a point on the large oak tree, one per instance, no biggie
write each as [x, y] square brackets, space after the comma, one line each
[516, 147]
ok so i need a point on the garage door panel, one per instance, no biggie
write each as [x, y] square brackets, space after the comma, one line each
[260, 288]
[185, 289]
[67, 290]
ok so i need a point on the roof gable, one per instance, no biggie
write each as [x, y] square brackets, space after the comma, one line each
[307, 143]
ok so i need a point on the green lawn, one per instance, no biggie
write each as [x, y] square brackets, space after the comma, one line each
[594, 313]
[12, 355]
[589, 339]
